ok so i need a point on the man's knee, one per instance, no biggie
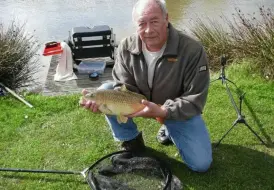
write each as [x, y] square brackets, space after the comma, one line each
[107, 86]
[200, 164]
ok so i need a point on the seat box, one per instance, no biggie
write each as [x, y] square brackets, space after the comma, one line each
[92, 42]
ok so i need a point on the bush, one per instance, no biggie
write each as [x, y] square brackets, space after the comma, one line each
[18, 56]
[246, 37]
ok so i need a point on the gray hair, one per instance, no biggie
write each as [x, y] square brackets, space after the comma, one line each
[161, 4]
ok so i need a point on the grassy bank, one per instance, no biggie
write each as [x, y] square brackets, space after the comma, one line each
[59, 135]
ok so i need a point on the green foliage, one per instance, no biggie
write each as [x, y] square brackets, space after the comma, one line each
[18, 60]
[57, 134]
[246, 36]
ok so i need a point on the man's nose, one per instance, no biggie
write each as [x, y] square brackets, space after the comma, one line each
[148, 28]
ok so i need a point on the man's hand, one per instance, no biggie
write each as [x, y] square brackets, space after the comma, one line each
[90, 105]
[151, 110]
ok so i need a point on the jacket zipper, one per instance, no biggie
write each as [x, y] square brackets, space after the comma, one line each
[146, 67]
[151, 89]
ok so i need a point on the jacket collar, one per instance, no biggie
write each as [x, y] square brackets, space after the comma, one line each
[171, 47]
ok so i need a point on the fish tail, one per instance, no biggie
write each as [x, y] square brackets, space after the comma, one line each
[160, 120]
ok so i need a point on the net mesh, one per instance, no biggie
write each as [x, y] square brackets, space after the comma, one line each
[124, 171]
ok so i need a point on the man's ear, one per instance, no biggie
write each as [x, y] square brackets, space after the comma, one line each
[167, 20]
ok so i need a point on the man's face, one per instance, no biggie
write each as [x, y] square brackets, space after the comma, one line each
[152, 26]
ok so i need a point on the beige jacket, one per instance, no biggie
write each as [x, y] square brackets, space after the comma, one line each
[181, 77]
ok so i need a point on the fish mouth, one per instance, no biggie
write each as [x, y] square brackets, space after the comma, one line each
[84, 92]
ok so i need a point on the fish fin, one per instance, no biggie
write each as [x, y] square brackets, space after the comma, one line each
[121, 119]
[124, 88]
[82, 101]
[160, 120]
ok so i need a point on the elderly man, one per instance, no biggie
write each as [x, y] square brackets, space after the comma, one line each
[170, 69]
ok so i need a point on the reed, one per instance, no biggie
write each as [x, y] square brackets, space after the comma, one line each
[245, 36]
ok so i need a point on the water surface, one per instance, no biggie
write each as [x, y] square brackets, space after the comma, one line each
[51, 19]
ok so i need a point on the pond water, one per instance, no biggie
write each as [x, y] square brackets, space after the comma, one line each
[51, 19]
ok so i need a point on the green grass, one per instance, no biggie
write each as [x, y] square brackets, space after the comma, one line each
[57, 134]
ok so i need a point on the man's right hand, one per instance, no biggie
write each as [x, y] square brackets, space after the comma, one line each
[89, 105]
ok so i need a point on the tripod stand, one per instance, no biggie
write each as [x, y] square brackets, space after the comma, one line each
[240, 116]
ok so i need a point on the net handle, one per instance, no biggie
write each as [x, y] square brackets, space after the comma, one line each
[39, 171]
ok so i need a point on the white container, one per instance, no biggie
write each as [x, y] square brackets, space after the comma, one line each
[87, 67]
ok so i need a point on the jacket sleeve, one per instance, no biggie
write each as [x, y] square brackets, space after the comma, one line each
[195, 89]
[121, 72]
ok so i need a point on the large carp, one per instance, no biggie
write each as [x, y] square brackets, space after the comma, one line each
[116, 102]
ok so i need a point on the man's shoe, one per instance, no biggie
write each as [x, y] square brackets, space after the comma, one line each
[162, 136]
[135, 145]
